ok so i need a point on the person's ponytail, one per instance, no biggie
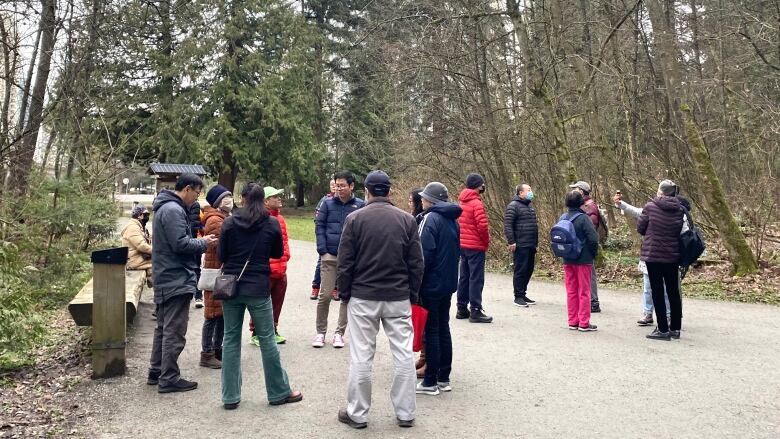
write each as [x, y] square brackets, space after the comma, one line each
[254, 202]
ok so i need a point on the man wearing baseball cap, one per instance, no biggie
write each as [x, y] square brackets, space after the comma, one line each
[278, 278]
[592, 210]
[380, 267]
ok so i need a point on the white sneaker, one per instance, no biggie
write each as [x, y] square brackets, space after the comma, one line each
[198, 303]
[319, 341]
[338, 340]
[433, 390]
[444, 386]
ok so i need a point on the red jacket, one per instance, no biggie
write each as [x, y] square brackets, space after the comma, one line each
[279, 266]
[474, 228]
[592, 210]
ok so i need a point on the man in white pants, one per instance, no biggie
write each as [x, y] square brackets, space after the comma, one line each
[380, 268]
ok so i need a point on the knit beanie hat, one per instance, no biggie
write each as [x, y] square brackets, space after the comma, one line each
[216, 194]
[668, 188]
[435, 192]
[138, 210]
[474, 181]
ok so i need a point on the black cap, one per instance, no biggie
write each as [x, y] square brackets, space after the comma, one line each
[378, 183]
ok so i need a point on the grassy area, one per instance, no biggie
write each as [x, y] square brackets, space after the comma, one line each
[300, 228]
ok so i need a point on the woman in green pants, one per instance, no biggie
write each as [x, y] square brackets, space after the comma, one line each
[248, 239]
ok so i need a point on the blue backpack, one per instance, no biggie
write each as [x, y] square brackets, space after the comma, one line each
[563, 238]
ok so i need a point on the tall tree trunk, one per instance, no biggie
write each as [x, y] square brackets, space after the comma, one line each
[300, 192]
[543, 94]
[20, 172]
[741, 257]
[28, 83]
[229, 170]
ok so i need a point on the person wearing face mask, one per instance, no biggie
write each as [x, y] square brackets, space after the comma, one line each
[474, 242]
[521, 229]
[220, 201]
[136, 238]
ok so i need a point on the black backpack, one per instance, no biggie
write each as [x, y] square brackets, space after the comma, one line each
[691, 245]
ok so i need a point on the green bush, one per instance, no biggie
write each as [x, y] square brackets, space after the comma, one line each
[21, 318]
[44, 258]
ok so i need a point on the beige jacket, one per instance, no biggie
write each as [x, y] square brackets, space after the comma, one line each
[139, 244]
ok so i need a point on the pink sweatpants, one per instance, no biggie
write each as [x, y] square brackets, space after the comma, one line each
[577, 280]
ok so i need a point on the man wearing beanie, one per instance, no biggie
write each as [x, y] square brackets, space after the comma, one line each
[380, 267]
[474, 242]
[440, 238]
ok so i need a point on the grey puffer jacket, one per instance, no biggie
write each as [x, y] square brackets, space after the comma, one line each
[660, 223]
[175, 254]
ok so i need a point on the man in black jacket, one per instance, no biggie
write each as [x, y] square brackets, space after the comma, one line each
[175, 257]
[380, 269]
[522, 234]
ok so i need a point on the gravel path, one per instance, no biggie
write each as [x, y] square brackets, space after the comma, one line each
[526, 375]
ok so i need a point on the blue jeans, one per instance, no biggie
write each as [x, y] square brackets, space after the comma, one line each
[472, 278]
[212, 333]
[317, 278]
[277, 385]
[438, 340]
[648, 298]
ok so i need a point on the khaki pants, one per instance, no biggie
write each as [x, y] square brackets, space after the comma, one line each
[327, 284]
[396, 318]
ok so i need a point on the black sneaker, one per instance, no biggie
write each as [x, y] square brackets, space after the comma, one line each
[658, 335]
[520, 302]
[589, 328]
[574, 327]
[477, 316]
[153, 379]
[345, 419]
[232, 405]
[405, 424]
[595, 308]
[463, 313]
[180, 386]
[675, 334]
[529, 301]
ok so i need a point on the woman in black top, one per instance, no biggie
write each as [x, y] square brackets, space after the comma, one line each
[252, 235]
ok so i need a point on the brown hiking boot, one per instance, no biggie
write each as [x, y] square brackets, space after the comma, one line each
[207, 359]
[647, 320]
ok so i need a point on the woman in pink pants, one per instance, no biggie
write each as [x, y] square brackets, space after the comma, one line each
[577, 271]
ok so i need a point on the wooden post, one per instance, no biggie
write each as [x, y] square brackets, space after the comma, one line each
[108, 312]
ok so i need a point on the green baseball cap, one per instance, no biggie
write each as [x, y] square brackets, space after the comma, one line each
[271, 191]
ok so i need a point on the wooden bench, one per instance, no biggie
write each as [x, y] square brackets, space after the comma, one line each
[80, 307]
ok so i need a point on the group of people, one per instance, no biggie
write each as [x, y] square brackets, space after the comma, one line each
[377, 260]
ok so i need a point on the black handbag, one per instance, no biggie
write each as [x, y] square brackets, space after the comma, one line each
[226, 285]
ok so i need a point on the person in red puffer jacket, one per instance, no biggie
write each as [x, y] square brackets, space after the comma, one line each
[278, 277]
[474, 242]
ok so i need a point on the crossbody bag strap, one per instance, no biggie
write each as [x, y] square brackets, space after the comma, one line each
[250, 254]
